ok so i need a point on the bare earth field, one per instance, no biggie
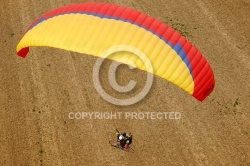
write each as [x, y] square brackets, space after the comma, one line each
[38, 93]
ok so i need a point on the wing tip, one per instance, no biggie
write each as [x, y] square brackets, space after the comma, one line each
[206, 93]
[23, 52]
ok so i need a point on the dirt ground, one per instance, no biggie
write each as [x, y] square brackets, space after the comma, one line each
[38, 93]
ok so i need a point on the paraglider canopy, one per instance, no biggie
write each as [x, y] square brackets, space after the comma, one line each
[92, 28]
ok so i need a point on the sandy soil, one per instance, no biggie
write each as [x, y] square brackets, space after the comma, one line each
[38, 93]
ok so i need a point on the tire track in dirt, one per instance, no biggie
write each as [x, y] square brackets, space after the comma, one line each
[232, 45]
